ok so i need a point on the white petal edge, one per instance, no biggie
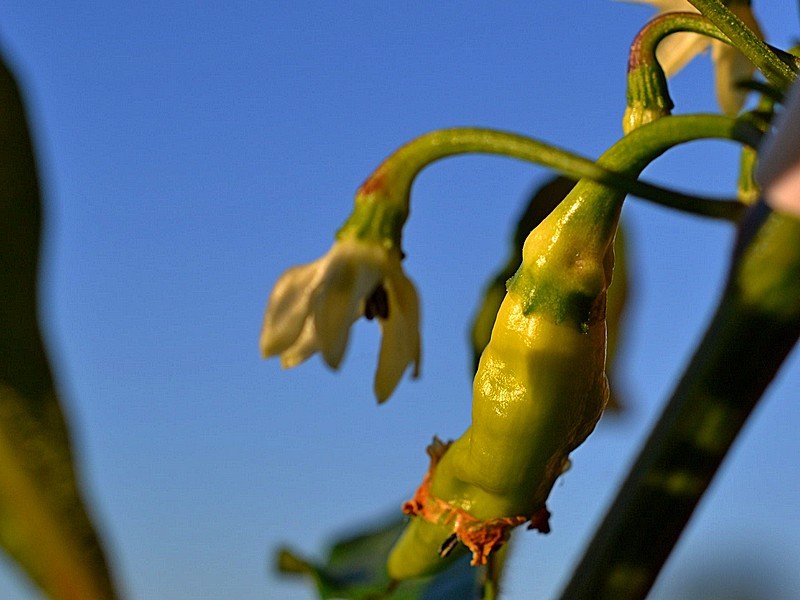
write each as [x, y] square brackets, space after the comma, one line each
[677, 50]
[666, 5]
[287, 309]
[731, 67]
[353, 273]
[303, 348]
[400, 342]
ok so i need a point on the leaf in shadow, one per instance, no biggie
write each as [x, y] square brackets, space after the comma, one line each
[355, 569]
[541, 204]
[43, 523]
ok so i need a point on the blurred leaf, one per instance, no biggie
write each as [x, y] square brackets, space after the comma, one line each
[43, 523]
[541, 204]
[355, 569]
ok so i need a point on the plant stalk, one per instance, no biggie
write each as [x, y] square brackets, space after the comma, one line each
[391, 182]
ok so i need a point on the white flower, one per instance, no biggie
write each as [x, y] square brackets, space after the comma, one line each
[313, 306]
[730, 65]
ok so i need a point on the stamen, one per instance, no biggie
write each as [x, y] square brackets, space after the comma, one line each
[377, 305]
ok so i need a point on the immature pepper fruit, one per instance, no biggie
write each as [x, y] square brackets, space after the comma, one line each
[540, 387]
[539, 391]
[541, 204]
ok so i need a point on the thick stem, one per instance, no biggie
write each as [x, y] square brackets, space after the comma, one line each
[755, 326]
[774, 69]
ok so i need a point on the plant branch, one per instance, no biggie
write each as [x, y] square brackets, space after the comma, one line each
[390, 184]
[643, 47]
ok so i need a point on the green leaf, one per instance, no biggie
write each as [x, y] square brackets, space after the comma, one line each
[43, 523]
[541, 204]
[355, 569]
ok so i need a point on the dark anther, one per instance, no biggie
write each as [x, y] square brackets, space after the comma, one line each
[448, 545]
[377, 304]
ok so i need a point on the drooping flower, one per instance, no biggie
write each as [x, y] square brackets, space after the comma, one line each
[730, 65]
[313, 306]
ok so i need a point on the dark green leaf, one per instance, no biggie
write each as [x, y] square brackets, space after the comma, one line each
[355, 569]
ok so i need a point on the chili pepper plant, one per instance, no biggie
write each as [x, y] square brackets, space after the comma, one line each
[542, 342]
[540, 339]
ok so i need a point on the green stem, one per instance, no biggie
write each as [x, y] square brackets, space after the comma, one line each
[774, 69]
[495, 565]
[766, 90]
[756, 325]
[382, 202]
[643, 47]
[409, 160]
[647, 92]
[489, 591]
[44, 525]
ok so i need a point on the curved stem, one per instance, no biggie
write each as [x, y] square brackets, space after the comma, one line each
[768, 62]
[390, 184]
[643, 47]
[647, 92]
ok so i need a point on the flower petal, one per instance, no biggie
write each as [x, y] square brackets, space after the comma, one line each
[287, 309]
[351, 275]
[731, 67]
[400, 343]
[677, 50]
[305, 345]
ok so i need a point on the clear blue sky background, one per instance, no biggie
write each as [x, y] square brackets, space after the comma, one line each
[193, 151]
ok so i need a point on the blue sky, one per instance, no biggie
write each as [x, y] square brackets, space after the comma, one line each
[191, 152]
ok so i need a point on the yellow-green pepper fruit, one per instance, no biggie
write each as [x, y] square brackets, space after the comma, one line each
[540, 386]
[541, 204]
[539, 391]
